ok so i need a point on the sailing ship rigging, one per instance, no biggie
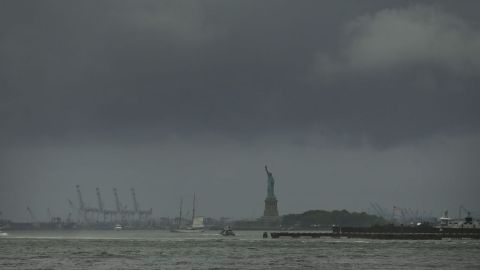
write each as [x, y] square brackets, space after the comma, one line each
[197, 222]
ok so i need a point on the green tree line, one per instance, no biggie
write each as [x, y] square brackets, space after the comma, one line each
[325, 219]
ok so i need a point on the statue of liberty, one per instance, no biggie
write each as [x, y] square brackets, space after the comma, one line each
[270, 185]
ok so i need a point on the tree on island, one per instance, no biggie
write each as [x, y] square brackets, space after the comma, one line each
[325, 219]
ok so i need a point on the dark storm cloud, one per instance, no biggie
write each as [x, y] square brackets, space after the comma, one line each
[240, 69]
[173, 97]
[413, 72]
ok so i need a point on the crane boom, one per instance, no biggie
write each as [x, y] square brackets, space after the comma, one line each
[136, 207]
[377, 209]
[99, 199]
[382, 212]
[32, 216]
[49, 214]
[80, 199]
[117, 200]
[465, 210]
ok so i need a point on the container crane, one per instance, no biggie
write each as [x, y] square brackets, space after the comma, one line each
[80, 199]
[461, 209]
[81, 204]
[74, 209]
[135, 202]
[120, 210]
[33, 218]
[101, 209]
[382, 212]
[379, 211]
[49, 215]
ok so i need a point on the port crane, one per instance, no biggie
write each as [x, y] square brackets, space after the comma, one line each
[141, 214]
[74, 209]
[462, 209]
[33, 218]
[135, 202]
[121, 211]
[81, 204]
[378, 210]
[49, 215]
[101, 210]
[92, 216]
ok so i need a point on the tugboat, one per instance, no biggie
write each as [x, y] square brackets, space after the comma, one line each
[227, 231]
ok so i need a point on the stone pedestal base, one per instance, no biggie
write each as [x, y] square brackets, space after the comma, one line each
[271, 210]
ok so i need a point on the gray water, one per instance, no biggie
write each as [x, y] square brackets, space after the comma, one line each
[165, 250]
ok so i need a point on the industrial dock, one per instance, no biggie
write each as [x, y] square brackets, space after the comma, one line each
[381, 235]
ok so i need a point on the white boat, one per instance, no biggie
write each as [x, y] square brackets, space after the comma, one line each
[467, 222]
[3, 233]
[197, 222]
[118, 227]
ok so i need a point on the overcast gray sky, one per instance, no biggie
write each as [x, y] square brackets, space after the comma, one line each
[348, 102]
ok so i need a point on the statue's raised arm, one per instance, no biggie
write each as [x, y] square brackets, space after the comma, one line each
[270, 184]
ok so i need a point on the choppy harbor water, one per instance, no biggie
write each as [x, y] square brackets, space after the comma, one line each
[165, 250]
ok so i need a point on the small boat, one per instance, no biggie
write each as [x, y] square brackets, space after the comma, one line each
[118, 227]
[227, 231]
[3, 233]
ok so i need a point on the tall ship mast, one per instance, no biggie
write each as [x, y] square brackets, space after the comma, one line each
[197, 222]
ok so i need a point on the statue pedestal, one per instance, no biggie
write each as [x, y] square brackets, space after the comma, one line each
[271, 210]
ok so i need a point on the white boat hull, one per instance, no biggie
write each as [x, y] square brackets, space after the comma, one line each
[187, 230]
